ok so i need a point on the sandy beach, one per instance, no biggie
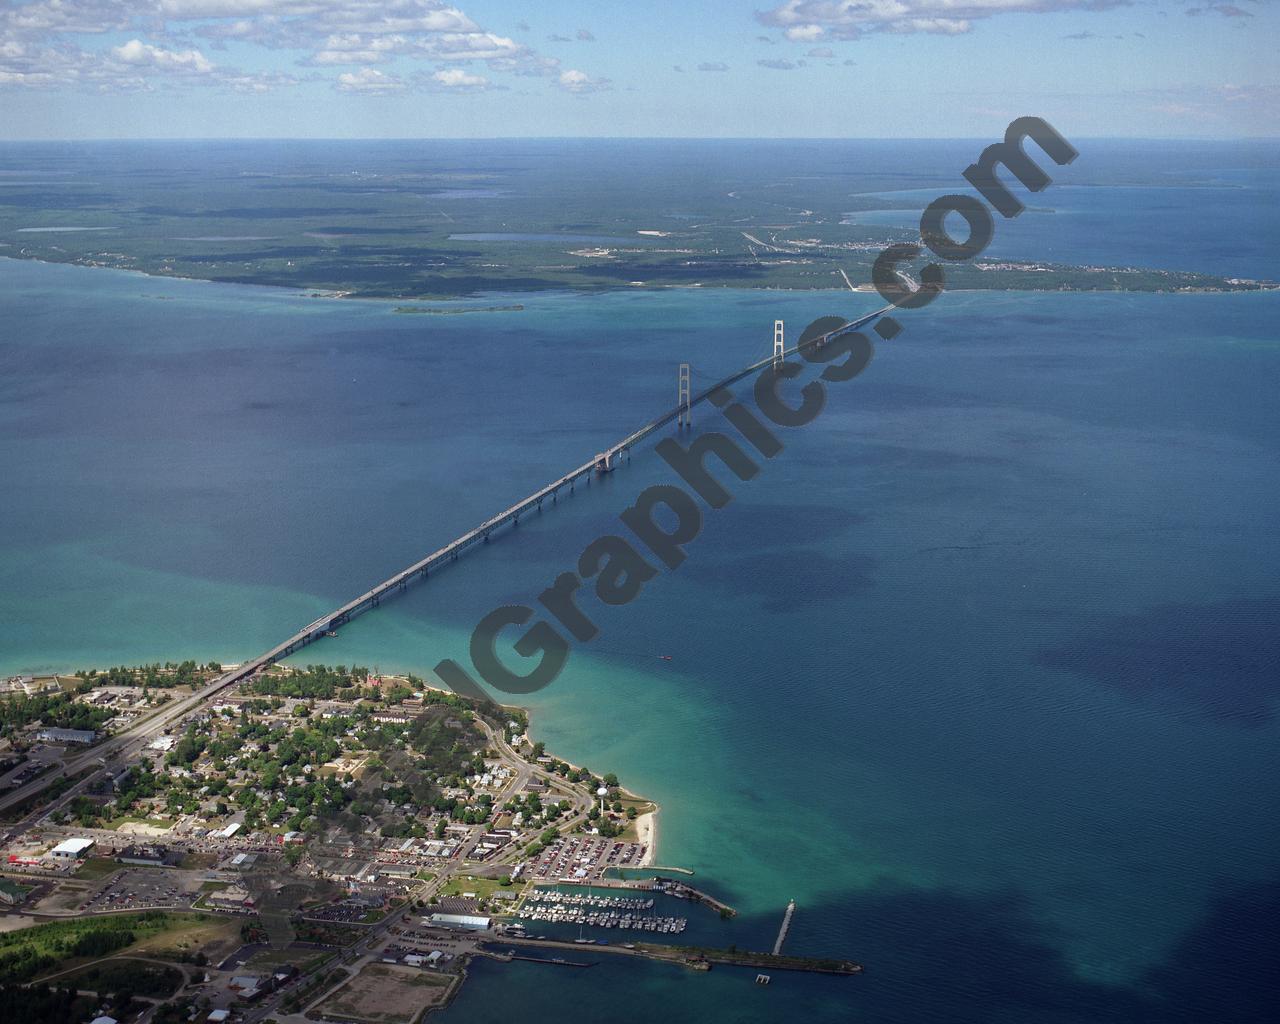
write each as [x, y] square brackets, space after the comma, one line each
[647, 831]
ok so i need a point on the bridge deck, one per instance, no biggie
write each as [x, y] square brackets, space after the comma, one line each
[450, 551]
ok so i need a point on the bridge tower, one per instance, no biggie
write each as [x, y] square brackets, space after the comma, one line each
[779, 345]
[685, 417]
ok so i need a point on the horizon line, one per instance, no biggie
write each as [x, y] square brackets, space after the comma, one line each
[619, 138]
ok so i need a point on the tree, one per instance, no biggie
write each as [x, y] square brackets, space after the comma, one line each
[611, 781]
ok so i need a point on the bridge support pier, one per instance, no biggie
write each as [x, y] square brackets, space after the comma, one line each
[684, 418]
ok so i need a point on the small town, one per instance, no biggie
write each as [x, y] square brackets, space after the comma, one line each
[308, 844]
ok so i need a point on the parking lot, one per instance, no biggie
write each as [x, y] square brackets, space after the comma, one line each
[140, 889]
[585, 857]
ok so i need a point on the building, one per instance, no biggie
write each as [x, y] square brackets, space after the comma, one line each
[218, 1016]
[463, 922]
[71, 849]
[104, 1020]
[147, 856]
[234, 897]
[248, 986]
[85, 736]
[11, 895]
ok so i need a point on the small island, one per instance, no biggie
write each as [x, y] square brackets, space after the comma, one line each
[325, 842]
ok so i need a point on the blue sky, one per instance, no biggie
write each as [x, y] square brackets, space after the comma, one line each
[777, 68]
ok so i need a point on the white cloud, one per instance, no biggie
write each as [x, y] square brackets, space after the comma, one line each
[323, 33]
[132, 66]
[456, 78]
[139, 54]
[580, 82]
[807, 20]
[369, 80]
[805, 33]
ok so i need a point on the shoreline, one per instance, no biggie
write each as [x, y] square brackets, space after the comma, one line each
[646, 823]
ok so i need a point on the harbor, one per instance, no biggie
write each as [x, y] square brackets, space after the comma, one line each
[598, 912]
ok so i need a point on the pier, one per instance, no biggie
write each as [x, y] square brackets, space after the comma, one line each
[786, 927]
[695, 957]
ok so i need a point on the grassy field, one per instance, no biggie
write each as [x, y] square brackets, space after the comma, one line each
[61, 944]
[198, 861]
[481, 888]
[94, 868]
[186, 934]
[306, 960]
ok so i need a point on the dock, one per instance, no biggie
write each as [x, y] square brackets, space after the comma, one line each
[669, 886]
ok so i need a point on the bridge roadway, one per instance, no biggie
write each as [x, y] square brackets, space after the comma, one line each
[120, 747]
[480, 534]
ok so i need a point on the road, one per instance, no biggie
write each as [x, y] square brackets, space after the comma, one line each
[118, 748]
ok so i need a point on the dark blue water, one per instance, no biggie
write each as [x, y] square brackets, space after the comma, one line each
[981, 669]
[1228, 226]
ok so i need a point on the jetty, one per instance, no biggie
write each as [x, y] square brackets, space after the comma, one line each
[697, 958]
[786, 927]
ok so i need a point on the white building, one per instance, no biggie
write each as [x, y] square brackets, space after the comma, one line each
[71, 849]
[465, 922]
[66, 735]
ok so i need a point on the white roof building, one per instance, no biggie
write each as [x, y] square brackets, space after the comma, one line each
[467, 922]
[55, 735]
[72, 848]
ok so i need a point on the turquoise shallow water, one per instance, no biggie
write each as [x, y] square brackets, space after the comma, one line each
[981, 669]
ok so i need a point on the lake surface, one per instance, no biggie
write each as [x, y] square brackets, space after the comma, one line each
[982, 669]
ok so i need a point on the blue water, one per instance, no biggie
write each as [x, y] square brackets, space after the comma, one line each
[981, 669]
[1228, 226]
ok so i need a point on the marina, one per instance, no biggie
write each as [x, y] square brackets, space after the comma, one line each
[598, 912]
